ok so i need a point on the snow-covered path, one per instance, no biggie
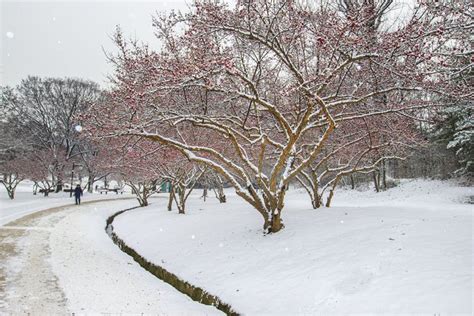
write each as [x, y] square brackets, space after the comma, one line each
[61, 261]
[27, 281]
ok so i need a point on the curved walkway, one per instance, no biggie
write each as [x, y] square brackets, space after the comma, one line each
[60, 261]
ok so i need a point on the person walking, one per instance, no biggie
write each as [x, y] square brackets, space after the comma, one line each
[78, 194]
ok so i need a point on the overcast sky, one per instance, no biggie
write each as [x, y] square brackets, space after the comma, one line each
[67, 38]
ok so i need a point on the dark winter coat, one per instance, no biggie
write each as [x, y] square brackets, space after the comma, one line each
[77, 192]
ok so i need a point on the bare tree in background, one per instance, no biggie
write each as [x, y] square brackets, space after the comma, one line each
[42, 114]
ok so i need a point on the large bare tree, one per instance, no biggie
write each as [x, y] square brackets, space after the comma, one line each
[266, 85]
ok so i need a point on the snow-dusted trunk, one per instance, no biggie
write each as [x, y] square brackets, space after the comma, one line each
[276, 223]
[181, 187]
[273, 206]
[143, 197]
[219, 190]
[329, 200]
[315, 200]
[314, 194]
[333, 187]
[180, 197]
[309, 181]
[141, 193]
[46, 186]
[10, 182]
[220, 195]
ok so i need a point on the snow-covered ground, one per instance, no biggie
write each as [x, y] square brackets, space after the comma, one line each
[406, 250]
[97, 277]
[61, 261]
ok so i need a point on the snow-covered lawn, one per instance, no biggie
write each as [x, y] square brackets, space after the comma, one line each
[406, 250]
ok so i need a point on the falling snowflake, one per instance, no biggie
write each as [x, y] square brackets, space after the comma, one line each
[342, 222]
[161, 229]
[193, 237]
[221, 245]
[287, 249]
[54, 18]
[78, 128]
[10, 34]
[59, 42]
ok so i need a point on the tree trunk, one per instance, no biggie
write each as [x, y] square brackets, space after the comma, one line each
[144, 197]
[59, 186]
[384, 175]
[171, 198]
[181, 203]
[204, 194]
[352, 182]
[274, 205]
[376, 183]
[220, 195]
[315, 197]
[316, 201]
[11, 193]
[90, 184]
[331, 193]
[142, 201]
[329, 200]
[181, 209]
[276, 224]
[222, 198]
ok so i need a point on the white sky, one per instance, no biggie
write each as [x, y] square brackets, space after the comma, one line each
[67, 38]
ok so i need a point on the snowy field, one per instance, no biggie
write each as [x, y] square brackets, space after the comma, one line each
[406, 250]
